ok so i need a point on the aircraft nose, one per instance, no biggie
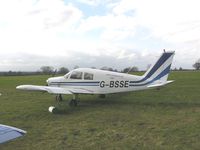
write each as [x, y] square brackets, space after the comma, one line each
[48, 81]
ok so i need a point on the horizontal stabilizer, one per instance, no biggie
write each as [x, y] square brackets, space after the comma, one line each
[160, 84]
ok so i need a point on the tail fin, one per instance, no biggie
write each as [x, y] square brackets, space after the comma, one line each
[159, 71]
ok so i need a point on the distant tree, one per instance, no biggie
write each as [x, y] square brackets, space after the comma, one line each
[196, 65]
[110, 69]
[47, 69]
[93, 67]
[76, 67]
[107, 68]
[134, 69]
[115, 70]
[104, 68]
[125, 70]
[10, 72]
[130, 69]
[63, 70]
[180, 69]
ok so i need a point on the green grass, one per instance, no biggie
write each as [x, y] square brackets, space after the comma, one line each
[152, 119]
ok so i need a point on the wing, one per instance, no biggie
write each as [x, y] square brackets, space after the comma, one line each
[54, 90]
[8, 133]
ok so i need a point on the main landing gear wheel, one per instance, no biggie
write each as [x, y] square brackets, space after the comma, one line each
[74, 101]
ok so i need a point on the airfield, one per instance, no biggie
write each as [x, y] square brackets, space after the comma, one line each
[154, 119]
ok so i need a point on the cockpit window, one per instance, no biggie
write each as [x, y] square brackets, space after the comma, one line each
[76, 75]
[88, 76]
[67, 76]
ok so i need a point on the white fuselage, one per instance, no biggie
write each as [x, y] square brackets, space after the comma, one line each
[103, 82]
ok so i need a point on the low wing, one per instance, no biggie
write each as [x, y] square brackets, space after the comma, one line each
[160, 84]
[54, 90]
[8, 133]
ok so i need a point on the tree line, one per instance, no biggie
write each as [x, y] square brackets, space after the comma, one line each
[63, 70]
[49, 70]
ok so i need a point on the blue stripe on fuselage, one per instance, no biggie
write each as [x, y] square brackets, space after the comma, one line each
[159, 63]
[76, 83]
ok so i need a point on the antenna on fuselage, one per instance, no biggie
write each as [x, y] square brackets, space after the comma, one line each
[129, 70]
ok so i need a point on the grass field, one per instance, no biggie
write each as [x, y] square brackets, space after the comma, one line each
[164, 119]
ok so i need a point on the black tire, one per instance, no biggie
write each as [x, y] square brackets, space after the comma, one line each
[56, 97]
[73, 102]
[60, 98]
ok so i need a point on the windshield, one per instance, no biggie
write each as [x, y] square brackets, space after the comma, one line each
[67, 75]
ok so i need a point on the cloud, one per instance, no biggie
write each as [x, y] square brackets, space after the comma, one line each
[127, 30]
[97, 2]
[90, 2]
[37, 27]
[31, 62]
[113, 27]
[173, 21]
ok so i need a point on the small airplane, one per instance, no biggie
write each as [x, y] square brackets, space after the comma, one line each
[101, 82]
[8, 133]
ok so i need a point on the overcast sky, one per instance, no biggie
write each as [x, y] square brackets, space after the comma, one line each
[114, 33]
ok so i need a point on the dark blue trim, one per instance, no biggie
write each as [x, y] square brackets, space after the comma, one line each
[94, 83]
[159, 63]
[162, 74]
[77, 82]
[75, 85]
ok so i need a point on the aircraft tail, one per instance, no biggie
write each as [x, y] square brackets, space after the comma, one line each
[158, 73]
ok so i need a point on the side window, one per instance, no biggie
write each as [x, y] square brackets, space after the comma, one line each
[76, 75]
[88, 76]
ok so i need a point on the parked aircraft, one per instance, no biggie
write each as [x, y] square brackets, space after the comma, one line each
[8, 133]
[94, 81]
